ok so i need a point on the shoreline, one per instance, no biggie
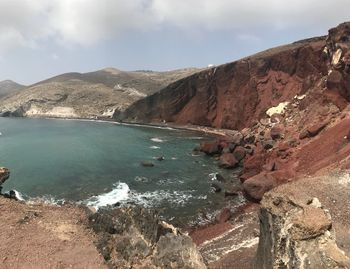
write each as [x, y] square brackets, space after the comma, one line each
[212, 228]
[216, 132]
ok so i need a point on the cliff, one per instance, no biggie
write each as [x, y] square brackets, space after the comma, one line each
[235, 95]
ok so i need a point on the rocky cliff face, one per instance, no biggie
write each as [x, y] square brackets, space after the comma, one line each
[136, 238]
[237, 94]
[296, 231]
[88, 95]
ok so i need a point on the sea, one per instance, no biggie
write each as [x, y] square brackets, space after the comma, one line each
[99, 164]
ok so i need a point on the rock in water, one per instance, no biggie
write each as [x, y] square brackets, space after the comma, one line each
[296, 234]
[228, 160]
[147, 164]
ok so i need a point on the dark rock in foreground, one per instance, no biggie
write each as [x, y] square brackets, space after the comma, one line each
[136, 238]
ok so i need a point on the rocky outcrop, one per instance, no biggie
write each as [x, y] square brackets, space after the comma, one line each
[296, 233]
[136, 238]
[4, 175]
[337, 52]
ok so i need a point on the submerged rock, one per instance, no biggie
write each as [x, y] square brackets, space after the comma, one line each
[147, 164]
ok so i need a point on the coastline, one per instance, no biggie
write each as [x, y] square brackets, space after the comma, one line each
[212, 229]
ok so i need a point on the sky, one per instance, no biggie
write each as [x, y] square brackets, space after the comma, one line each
[43, 38]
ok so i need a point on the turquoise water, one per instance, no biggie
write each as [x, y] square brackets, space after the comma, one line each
[98, 163]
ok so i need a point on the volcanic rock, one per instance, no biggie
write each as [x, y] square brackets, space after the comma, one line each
[215, 187]
[134, 236]
[255, 187]
[294, 234]
[276, 132]
[228, 160]
[316, 128]
[224, 215]
[239, 153]
[4, 174]
[210, 148]
[147, 164]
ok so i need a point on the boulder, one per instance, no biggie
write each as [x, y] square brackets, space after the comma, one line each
[276, 132]
[255, 187]
[215, 187]
[228, 160]
[303, 134]
[147, 164]
[268, 144]
[220, 178]
[224, 215]
[239, 153]
[314, 130]
[250, 149]
[269, 166]
[210, 148]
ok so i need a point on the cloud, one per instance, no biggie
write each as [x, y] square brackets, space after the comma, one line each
[29, 23]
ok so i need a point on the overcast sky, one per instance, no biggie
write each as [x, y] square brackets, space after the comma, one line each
[42, 38]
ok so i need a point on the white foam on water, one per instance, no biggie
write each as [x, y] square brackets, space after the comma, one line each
[154, 147]
[157, 140]
[212, 176]
[19, 195]
[118, 194]
[46, 199]
[156, 198]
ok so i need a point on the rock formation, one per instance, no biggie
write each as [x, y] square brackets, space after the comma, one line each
[296, 232]
[4, 175]
[136, 238]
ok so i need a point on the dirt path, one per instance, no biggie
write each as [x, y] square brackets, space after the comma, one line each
[41, 236]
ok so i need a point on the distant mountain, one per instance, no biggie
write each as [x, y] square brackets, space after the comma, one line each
[88, 95]
[9, 87]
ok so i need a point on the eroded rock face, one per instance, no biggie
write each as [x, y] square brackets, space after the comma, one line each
[235, 95]
[4, 175]
[136, 238]
[296, 234]
[337, 51]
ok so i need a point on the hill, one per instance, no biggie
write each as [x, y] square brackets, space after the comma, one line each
[88, 95]
[8, 87]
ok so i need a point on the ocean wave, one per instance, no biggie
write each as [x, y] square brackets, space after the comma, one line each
[156, 198]
[118, 194]
[154, 147]
[123, 195]
[157, 140]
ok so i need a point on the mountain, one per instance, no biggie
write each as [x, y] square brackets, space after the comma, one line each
[88, 95]
[8, 87]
